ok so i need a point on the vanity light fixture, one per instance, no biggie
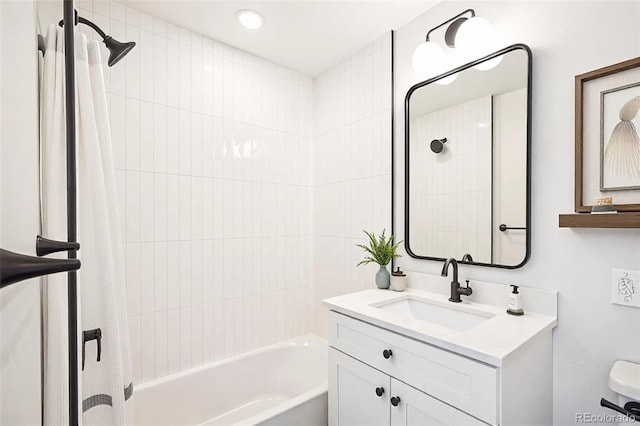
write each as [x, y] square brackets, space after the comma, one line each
[472, 36]
[249, 18]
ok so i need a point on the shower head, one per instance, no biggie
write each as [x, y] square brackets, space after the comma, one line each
[117, 49]
[437, 145]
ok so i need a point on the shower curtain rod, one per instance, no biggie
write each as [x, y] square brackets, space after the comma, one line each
[72, 235]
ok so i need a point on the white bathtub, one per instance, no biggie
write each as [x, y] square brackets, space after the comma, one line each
[278, 385]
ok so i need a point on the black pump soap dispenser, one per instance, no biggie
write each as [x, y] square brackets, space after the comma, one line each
[515, 306]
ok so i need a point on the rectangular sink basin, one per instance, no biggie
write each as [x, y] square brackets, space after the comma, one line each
[455, 317]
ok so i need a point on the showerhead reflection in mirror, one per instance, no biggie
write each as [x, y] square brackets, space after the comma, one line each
[622, 154]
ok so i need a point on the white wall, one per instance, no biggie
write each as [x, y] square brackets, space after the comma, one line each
[592, 333]
[450, 210]
[19, 213]
[352, 170]
[213, 154]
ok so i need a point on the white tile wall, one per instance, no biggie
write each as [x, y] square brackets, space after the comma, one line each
[352, 169]
[458, 176]
[213, 151]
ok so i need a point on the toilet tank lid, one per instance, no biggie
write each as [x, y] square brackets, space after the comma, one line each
[624, 379]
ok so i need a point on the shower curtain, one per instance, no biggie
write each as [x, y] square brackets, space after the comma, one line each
[105, 384]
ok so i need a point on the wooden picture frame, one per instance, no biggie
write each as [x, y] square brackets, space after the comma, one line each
[588, 128]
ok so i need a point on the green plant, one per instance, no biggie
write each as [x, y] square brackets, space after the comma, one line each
[381, 250]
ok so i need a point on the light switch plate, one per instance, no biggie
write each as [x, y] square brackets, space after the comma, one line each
[625, 287]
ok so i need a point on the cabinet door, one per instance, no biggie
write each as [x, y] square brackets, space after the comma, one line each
[353, 393]
[415, 408]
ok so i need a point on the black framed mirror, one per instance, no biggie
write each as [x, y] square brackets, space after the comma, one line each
[468, 162]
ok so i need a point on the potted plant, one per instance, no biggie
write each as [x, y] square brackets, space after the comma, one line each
[381, 250]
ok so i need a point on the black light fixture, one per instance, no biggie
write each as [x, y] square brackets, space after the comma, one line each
[117, 49]
[472, 37]
[452, 29]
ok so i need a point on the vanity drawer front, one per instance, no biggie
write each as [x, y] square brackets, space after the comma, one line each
[466, 384]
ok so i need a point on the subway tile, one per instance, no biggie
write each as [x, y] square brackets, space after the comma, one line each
[173, 141]
[133, 207]
[196, 144]
[147, 347]
[196, 336]
[185, 207]
[146, 206]
[160, 27]
[161, 275]
[132, 64]
[185, 76]
[229, 335]
[146, 65]
[118, 131]
[147, 285]
[135, 345]
[118, 11]
[207, 333]
[160, 69]
[196, 80]
[173, 32]
[173, 274]
[121, 195]
[173, 207]
[132, 253]
[146, 137]
[132, 123]
[219, 340]
[161, 347]
[185, 142]
[185, 338]
[173, 73]
[132, 16]
[185, 273]
[159, 138]
[196, 272]
[207, 271]
[173, 341]
[159, 207]
[146, 22]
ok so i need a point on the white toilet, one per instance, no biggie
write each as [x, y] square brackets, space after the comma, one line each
[624, 379]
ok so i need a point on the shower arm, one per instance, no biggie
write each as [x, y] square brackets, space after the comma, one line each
[79, 19]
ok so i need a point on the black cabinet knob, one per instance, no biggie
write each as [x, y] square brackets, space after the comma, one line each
[387, 353]
[395, 400]
[379, 391]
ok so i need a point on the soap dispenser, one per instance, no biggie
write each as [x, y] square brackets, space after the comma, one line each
[398, 280]
[515, 305]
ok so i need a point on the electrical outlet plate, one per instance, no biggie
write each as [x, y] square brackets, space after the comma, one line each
[625, 287]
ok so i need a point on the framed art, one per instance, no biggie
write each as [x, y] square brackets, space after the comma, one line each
[607, 141]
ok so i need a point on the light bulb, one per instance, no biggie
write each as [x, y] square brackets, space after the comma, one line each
[475, 38]
[428, 60]
[249, 18]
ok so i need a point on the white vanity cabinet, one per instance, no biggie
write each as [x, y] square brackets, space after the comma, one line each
[423, 384]
[361, 395]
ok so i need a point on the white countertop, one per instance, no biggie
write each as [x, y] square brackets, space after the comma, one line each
[490, 342]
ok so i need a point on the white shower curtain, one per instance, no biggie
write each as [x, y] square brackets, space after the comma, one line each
[105, 385]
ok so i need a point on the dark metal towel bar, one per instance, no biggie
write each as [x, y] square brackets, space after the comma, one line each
[504, 227]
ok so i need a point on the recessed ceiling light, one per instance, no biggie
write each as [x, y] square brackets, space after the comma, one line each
[249, 18]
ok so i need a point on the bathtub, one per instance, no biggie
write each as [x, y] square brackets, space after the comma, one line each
[278, 385]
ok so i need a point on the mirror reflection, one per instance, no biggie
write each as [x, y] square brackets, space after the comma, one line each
[466, 163]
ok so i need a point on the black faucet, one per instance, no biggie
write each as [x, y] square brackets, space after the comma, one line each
[456, 290]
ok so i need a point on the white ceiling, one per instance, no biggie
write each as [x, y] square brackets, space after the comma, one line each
[307, 36]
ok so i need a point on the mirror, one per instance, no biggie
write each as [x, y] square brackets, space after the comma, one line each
[467, 174]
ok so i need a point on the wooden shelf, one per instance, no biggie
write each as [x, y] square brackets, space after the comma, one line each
[611, 220]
